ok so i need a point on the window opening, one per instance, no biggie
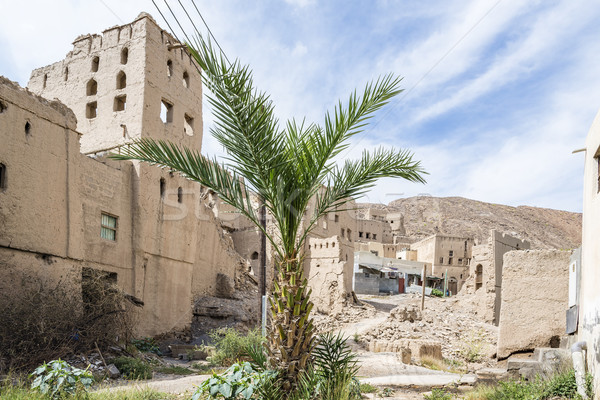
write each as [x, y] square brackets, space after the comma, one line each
[360, 234]
[120, 103]
[163, 185]
[92, 87]
[374, 236]
[188, 125]
[66, 73]
[27, 128]
[95, 64]
[2, 176]
[3, 107]
[121, 80]
[337, 218]
[186, 79]
[169, 68]
[45, 80]
[124, 55]
[108, 227]
[254, 256]
[91, 110]
[166, 111]
[179, 195]
[441, 260]
[597, 158]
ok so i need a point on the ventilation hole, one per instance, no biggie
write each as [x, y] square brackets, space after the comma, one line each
[163, 185]
[179, 195]
[66, 74]
[27, 128]
[45, 80]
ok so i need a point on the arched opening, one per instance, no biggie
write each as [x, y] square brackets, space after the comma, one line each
[91, 88]
[27, 128]
[95, 64]
[186, 79]
[169, 68]
[478, 276]
[124, 55]
[254, 256]
[121, 80]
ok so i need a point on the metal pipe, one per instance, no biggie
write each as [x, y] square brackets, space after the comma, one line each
[579, 366]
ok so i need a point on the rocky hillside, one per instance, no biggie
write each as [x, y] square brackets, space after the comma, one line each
[543, 227]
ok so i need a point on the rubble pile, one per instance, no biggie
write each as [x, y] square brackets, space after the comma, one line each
[462, 335]
[353, 313]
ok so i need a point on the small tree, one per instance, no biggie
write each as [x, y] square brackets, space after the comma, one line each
[286, 167]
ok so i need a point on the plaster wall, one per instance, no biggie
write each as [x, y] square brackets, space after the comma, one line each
[589, 296]
[534, 300]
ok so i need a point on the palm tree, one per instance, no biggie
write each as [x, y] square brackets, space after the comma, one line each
[286, 167]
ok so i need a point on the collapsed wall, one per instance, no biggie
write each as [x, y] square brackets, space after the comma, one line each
[534, 300]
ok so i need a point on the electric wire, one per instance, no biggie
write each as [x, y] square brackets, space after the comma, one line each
[177, 20]
[210, 32]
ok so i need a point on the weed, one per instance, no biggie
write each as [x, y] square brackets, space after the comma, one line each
[57, 379]
[473, 346]
[132, 368]
[438, 394]
[367, 388]
[146, 345]
[174, 370]
[232, 346]
[447, 365]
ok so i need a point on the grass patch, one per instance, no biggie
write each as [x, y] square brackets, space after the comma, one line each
[560, 385]
[22, 392]
[232, 346]
[367, 388]
[438, 394]
[175, 370]
[132, 368]
[442, 365]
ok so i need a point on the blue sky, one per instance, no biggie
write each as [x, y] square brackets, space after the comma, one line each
[497, 93]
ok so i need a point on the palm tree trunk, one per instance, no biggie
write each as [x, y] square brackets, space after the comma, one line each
[292, 332]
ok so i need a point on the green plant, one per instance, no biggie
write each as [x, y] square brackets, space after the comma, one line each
[473, 346]
[437, 292]
[438, 394]
[336, 366]
[133, 368]
[58, 378]
[292, 170]
[174, 370]
[367, 388]
[240, 380]
[146, 345]
[22, 392]
[232, 346]
[356, 337]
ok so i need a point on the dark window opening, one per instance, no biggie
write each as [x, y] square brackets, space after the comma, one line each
[368, 235]
[597, 158]
[45, 81]
[120, 103]
[3, 107]
[188, 125]
[124, 55]
[91, 110]
[169, 68]
[2, 176]
[166, 112]
[27, 128]
[91, 88]
[441, 260]
[163, 185]
[66, 74]
[186, 79]
[450, 260]
[360, 234]
[95, 64]
[121, 80]
[374, 236]
[179, 195]
[254, 256]
[349, 234]
[342, 232]
[337, 218]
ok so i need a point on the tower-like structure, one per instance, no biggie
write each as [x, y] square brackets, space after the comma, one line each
[133, 81]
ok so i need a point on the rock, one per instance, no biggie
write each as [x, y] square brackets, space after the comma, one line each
[408, 312]
[113, 371]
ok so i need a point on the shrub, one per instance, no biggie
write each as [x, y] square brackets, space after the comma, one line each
[367, 388]
[438, 394]
[146, 345]
[133, 368]
[239, 381]
[58, 378]
[437, 292]
[232, 346]
[41, 321]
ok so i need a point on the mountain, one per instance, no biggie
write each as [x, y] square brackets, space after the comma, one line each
[542, 227]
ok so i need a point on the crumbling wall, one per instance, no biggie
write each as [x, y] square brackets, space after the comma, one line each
[534, 300]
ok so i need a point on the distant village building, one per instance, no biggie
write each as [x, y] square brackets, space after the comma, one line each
[374, 275]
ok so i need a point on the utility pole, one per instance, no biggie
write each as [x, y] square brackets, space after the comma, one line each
[263, 263]
[423, 287]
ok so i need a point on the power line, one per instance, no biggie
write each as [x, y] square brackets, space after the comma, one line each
[111, 10]
[210, 32]
[406, 93]
[177, 20]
